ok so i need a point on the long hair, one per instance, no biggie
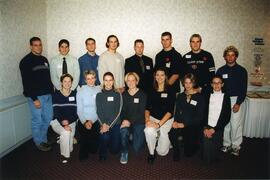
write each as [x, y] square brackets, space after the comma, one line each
[108, 74]
[166, 84]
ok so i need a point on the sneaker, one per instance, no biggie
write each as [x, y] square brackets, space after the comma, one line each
[226, 149]
[64, 160]
[124, 158]
[44, 147]
[235, 151]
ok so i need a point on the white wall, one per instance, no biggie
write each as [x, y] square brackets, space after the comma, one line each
[19, 21]
[221, 23]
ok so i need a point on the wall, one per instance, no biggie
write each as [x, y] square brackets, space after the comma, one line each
[221, 23]
[19, 21]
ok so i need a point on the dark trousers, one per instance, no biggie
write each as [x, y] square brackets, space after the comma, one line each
[211, 147]
[138, 138]
[110, 140]
[190, 138]
[88, 139]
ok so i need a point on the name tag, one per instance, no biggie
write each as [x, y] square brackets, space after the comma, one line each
[164, 95]
[71, 98]
[225, 76]
[168, 65]
[59, 66]
[148, 67]
[109, 98]
[188, 56]
[136, 100]
[194, 103]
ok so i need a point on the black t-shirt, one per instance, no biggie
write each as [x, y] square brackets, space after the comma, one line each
[172, 61]
[202, 66]
[159, 103]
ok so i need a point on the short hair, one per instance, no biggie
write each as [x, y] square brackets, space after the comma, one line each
[107, 74]
[217, 77]
[89, 39]
[138, 41]
[108, 39]
[166, 84]
[231, 49]
[64, 76]
[89, 72]
[62, 41]
[34, 39]
[192, 79]
[166, 34]
[132, 74]
[195, 35]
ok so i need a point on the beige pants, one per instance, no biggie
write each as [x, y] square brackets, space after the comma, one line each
[152, 135]
[66, 137]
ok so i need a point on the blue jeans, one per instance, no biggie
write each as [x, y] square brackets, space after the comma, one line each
[41, 118]
[138, 137]
[111, 140]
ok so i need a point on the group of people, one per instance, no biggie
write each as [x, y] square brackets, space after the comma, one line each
[113, 101]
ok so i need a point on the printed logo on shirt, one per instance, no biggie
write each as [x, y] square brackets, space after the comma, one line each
[168, 64]
[136, 100]
[188, 56]
[194, 103]
[205, 58]
[109, 98]
[148, 67]
[71, 98]
[225, 76]
[167, 59]
[164, 95]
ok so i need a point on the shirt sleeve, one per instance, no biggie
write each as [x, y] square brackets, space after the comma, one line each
[101, 68]
[76, 73]
[243, 88]
[54, 78]
[80, 107]
[100, 112]
[211, 66]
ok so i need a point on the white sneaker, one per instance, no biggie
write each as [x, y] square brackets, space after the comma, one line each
[226, 149]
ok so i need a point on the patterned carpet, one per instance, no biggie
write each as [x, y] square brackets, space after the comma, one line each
[28, 163]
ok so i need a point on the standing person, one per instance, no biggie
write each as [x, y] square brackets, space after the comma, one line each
[65, 116]
[86, 108]
[188, 118]
[64, 63]
[112, 61]
[235, 80]
[142, 65]
[134, 102]
[109, 105]
[218, 113]
[89, 61]
[37, 87]
[200, 63]
[171, 60]
[158, 115]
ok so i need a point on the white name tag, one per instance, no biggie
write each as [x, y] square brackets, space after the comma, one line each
[164, 95]
[109, 98]
[225, 76]
[136, 100]
[194, 103]
[168, 65]
[148, 67]
[188, 56]
[71, 98]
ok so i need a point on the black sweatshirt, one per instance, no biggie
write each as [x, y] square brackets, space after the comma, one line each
[36, 77]
[134, 107]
